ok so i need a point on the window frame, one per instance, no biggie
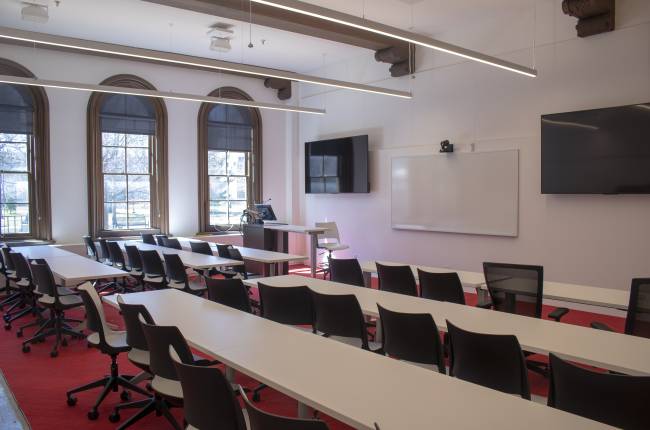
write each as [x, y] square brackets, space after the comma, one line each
[40, 212]
[255, 162]
[159, 222]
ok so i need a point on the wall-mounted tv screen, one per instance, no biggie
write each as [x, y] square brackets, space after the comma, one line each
[599, 151]
[337, 166]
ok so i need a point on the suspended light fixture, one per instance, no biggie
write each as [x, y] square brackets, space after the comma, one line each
[395, 33]
[76, 86]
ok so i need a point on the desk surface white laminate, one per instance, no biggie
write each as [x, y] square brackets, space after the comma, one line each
[573, 293]
[259, 255]
[613, 351]
[189, 259]
[354, 386]
[43, 251]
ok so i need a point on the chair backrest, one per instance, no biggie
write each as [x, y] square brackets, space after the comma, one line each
[103, 246]
[397, 279]
[339, 315]
[444, 287]
[160, 239]
[411, 337]
[159, 339]
[346, 271]
[493, 360]
[260, 420]
[171, 242]
[134, 333]
[637, 322]
[208, 399]
[21, 266]
[44, 279]
[91, 249]
[134, 257]
[235, 254]
[621, 401]
[175, 268]
[286, 305]
[95, 318]
[223, 250]
[229, 292]
[116, 254]
[6, 256]
[3, 268]
[148, 238]
[331, 234]
[515, 288]
[151, 264]
[201, 247]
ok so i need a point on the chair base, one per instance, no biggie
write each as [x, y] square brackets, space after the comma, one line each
[57, 325]
[153, 404]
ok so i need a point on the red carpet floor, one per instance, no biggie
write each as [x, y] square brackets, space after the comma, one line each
[40, 382]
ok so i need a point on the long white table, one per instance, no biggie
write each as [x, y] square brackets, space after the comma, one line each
[189, 259]
[69, 268]
[312, 232]
[594, 296]
[357, 387]
[609, 350]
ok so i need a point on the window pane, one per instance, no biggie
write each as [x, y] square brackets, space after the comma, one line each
[237, 188]
[139, 215]
[218, 187]
[216, 162]
[140, 140]
[13, 156]
[139, 188]
[114, 188]
[115, 216]
[236, 209]
[137, 160]
[113, 139]
[219, 213]
[113, 160]
[14, 188]
[237, 163]
[15, 218]
[6, 137]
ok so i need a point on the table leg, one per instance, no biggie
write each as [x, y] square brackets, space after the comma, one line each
[378, 333]
[312, 253]
[367, 279]
[272, 270]
[305, 411]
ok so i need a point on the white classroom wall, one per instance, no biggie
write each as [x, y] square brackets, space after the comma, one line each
[594, 239]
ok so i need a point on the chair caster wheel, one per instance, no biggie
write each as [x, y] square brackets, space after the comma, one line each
[26, 348]
[93, 414]
[72, 401]
[114, 417]
[64, 342]
[19, 333]
[54, 354]
[256, 397]
[125, 396]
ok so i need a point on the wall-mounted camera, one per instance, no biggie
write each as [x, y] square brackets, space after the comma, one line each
[445, 146]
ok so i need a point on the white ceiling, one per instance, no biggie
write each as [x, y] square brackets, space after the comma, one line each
[147, 25]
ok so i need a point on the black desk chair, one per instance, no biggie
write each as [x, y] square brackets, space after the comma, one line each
[397, 279]
[412, 337]
[201, 247]
[285, 305]
[119, 262]
[443, 287]
[229, 292]
[12, 292]
[50, 298]
[152, 269]
[25, 303]
[91, 248]
[260, 420]
[148, 238]
[160, 239]
[109, 342]
[177, 276]
[637, 320]
[494, 361]
[231, 253]
[135, 264]
[339, 316]
[621, 401]
[346, 271]
[171, 242]
[105, 253]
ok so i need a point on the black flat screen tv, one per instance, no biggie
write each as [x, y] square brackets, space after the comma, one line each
[337, 166]
[599, 151]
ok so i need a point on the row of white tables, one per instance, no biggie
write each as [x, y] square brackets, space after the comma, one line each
[573, 293]
[609, 350]
[357, 387]
[190, 259]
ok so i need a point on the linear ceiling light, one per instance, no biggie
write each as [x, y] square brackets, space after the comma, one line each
[188, 60]
[395, 33]
[152, 93]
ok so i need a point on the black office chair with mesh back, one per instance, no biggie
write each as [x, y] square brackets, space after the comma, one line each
[637, 320]
[152, 269]
[444, 287]
[397, 279]
[412, 337]
[346, 271]
[494, 361]
[177, 276]
[620, 401]
[229, 292]
[148, 238]
[171, 242]
[160, 239]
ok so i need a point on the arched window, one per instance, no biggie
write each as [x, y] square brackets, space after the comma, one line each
[127, 161]
[230, 162]
[24, 159]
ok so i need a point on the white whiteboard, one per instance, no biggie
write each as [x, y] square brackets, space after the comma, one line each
[471, 192]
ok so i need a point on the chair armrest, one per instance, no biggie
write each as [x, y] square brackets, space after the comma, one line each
[600, 326]
[558, 313]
